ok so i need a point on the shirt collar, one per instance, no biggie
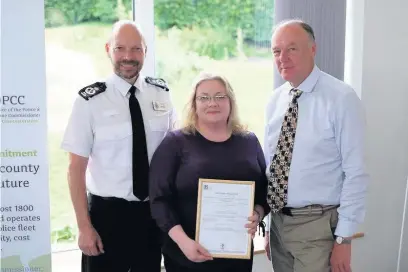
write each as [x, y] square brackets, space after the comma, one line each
[309, 83]
[123, 86]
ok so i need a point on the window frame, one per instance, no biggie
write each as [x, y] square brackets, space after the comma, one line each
[143, 15]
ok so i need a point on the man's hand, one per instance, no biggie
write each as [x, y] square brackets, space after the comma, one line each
[266, 245]
[341, 258]
[90, 242]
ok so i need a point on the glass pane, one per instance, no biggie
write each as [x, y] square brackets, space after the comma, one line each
[75, 36]
[229, 36]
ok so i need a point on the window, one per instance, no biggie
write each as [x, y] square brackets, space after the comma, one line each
[231, 37]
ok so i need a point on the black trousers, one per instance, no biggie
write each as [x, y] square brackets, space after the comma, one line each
[230, 265]
[129, 235]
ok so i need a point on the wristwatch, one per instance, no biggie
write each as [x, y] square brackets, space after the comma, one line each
[341, 240]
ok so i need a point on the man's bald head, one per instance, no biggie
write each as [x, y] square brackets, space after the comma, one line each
[296, 23]
[126, 26]
[126, 48]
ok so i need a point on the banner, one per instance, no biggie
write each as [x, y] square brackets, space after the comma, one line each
[25, 210]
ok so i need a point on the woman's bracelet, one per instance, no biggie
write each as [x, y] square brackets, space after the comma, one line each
[259, 216]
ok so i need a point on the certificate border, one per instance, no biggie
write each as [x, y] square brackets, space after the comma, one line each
[201, 181]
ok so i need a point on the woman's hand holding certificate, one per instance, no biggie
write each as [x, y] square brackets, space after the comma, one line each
[191, 249]
[254, 221]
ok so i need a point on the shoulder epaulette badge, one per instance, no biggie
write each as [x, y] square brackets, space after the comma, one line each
[92, 90]
[157, 82]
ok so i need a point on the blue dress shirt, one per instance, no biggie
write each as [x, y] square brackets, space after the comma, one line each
[328, 158]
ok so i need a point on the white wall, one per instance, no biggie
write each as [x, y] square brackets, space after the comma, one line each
[376, 67]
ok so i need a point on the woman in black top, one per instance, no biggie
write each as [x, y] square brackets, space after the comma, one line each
[213, 144]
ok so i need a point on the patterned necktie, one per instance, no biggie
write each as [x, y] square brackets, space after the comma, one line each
[280, 165]
[140, 162]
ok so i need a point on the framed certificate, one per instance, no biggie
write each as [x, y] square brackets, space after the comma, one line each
[223, 209]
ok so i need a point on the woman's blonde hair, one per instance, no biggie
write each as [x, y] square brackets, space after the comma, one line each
[233, 121]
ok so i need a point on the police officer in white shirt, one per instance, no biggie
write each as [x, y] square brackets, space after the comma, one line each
[113, 131]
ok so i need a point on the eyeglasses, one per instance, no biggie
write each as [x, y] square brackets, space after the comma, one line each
[207, 98]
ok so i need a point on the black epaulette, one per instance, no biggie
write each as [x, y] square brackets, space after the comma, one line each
[92, 90]
[157, 82]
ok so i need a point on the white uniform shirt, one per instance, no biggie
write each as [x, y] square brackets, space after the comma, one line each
[100, 129]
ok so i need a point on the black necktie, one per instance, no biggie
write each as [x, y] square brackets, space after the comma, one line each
[140, 164]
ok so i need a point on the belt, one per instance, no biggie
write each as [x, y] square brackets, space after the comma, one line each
[308, 210]
[115, 199]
